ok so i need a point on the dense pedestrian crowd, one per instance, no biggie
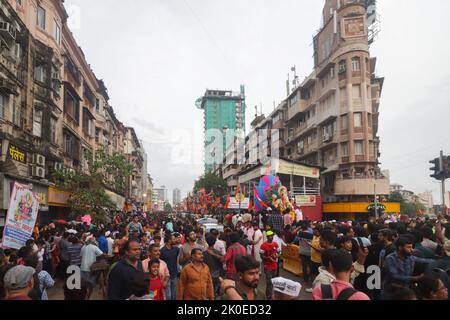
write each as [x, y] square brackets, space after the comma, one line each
[162, 256]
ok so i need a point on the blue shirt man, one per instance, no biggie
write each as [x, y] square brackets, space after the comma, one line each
[103, 244]
[399, 266]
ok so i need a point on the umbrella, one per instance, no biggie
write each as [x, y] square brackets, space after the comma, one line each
[269, 181]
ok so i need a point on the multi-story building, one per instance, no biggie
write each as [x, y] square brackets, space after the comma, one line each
[224, 115]
[52, 106]
[332, 117]
[135, 154]
[176, 196]
[329, 121]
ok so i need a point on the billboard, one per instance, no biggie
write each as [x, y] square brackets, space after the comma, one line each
[20, 218]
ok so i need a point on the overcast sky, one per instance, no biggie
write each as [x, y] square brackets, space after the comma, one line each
[158, 56]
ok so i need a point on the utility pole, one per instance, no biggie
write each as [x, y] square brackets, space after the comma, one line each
[376, 200]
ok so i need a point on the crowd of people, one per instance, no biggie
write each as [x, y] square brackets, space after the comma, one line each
[163, 256]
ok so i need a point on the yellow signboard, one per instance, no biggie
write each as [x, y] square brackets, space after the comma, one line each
[17, 154]
[57, 198]
[358, 207]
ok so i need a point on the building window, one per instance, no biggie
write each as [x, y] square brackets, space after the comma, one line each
[359, 148]
[358, 119]
[344, 149]
[39, 73]
[71, 106]
[15, 113]
[332, 73]
[359, 172]
[371, 148]
[342, 67]
[344, 122]
[57, 33]
[97, 105]
[52, 130]
[356, 64]
[88, 123]
[41, 17]
[97, 135]
[369, 120]
[2, 107]
[37, 122]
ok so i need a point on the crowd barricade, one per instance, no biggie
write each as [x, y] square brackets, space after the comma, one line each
[291, 260]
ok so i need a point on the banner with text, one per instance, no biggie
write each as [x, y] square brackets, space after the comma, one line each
[21, 217]
[305, 201]
[235, 204]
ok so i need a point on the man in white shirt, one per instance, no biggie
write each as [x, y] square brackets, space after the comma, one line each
[257, 242]
[110, 242]
[219, 245]
[89, 254]
[298, 215]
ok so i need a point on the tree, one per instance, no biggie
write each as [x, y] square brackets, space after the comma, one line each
[409, 209]
[87, 186]
[211, 182]
[167, 207]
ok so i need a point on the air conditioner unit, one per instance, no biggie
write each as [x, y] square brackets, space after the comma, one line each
[39, 160]
[7, 28]
[37, 171]
[58, 166]
[55, 75]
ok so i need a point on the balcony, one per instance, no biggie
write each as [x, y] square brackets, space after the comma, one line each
[7, 30]
[298, 107]
[9, 63]
[327, 140]
[41, 90]
[8, 87]
[362, 186]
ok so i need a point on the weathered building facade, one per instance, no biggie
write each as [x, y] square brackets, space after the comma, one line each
[52, 106]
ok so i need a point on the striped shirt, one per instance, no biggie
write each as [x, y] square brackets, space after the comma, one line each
[74, 251]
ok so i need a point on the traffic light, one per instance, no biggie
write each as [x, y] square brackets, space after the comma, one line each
[437, 169]
[446, 166]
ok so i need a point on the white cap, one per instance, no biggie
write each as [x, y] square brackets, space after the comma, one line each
[72, 231]
[108, 233]
[286, 286]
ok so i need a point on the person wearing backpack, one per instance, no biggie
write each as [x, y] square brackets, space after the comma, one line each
[341, 266]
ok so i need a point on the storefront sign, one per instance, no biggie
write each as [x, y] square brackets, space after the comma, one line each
[21, 217]
[306, 201]
[17, 154]
[57, 198]
[284, 167]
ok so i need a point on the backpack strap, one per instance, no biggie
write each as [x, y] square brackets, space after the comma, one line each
[346, 294]
[327, 293]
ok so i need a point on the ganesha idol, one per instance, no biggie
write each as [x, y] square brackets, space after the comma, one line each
[281, 203]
